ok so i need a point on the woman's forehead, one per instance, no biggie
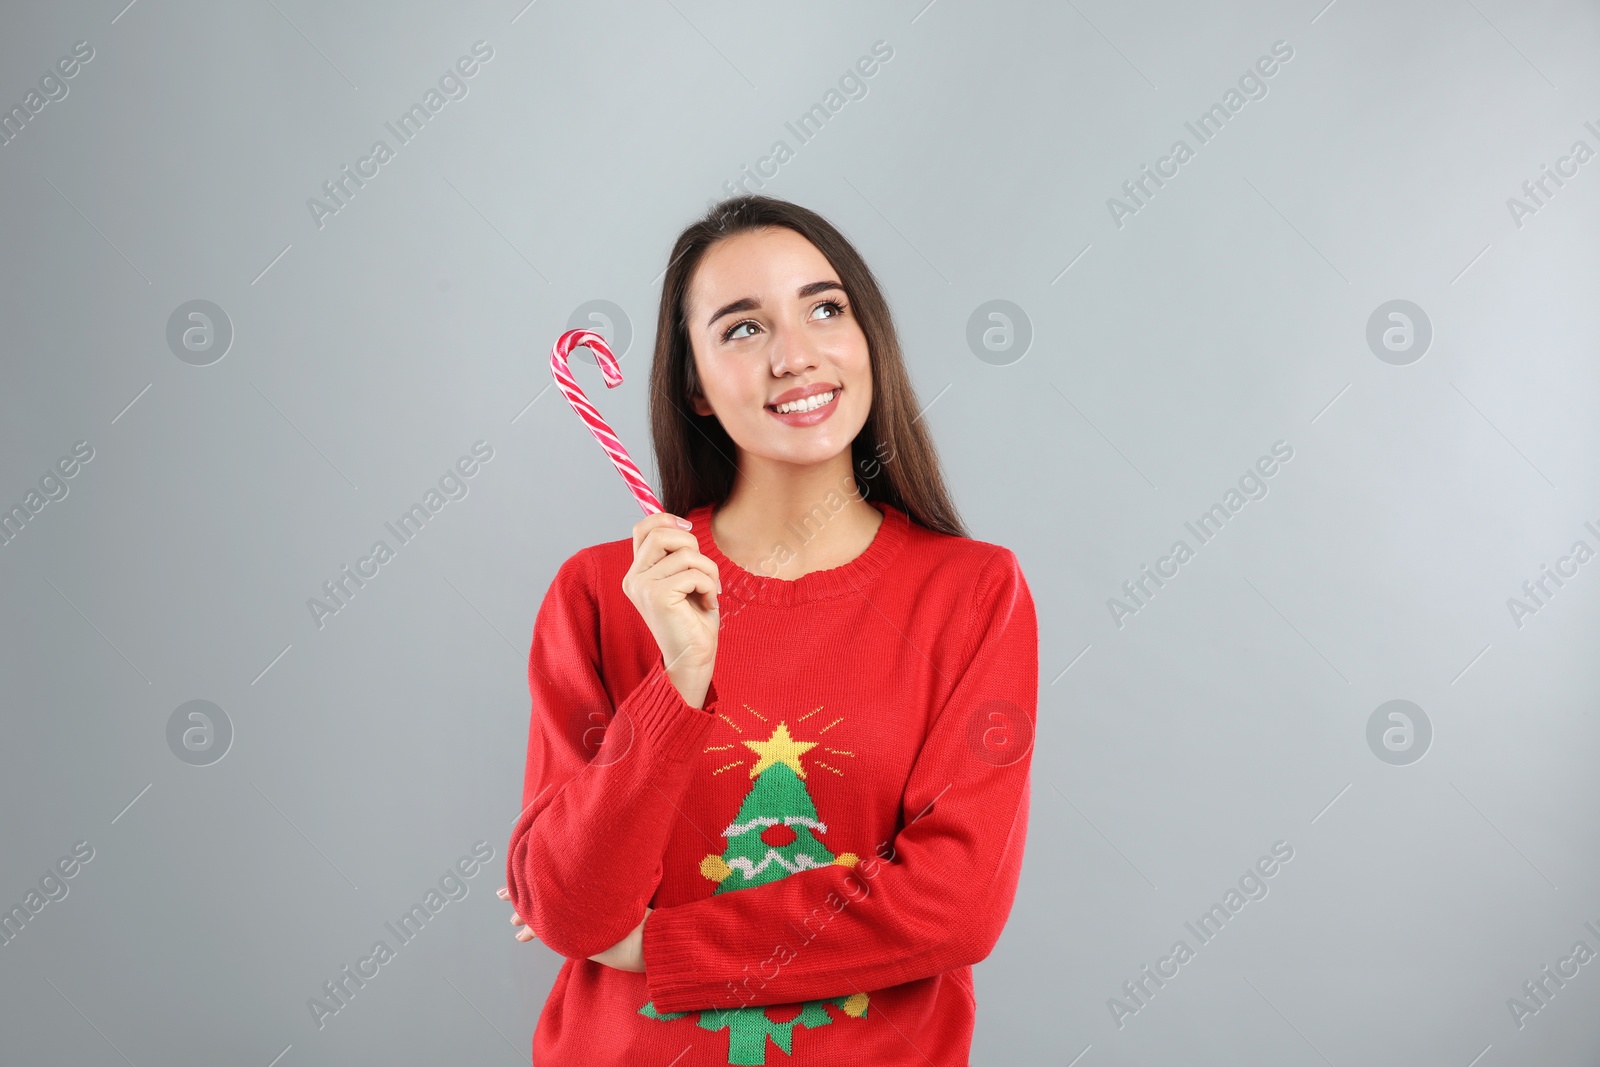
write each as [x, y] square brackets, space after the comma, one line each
[751, 263]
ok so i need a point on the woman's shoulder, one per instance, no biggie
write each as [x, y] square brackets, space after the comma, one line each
[959, 555]
[980, 581]
[594, 564]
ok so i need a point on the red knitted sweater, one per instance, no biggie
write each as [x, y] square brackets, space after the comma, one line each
[829, 843]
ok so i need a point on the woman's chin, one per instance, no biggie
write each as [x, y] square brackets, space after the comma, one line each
[809, 454]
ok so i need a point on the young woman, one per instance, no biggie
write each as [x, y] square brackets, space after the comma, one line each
[778, 764]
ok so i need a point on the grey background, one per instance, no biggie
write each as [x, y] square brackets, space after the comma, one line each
[1229, 313]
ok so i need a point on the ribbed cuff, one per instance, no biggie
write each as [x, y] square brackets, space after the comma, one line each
[659, 712]
[673, 970]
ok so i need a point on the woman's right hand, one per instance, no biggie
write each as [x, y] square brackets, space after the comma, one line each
[674, 586]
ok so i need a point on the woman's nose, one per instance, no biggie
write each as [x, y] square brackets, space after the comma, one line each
[791, 353]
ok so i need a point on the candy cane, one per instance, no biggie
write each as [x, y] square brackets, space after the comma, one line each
[591, 418]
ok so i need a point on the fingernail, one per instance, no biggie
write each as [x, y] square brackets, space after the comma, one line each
[686, 524]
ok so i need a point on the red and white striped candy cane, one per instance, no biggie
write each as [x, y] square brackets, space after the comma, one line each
[591, 418]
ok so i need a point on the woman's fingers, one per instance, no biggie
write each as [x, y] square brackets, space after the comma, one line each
[660, 521]
[681, 563]
[689, 579]
[522, 932]
[660, 543]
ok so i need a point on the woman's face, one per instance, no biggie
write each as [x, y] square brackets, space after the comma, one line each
[767, 318]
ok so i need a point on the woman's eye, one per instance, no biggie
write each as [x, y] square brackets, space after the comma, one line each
[730, 335]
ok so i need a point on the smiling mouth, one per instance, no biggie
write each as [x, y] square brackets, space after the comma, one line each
[810, 403]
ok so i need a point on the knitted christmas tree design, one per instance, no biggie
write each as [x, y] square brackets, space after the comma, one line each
[771, 837]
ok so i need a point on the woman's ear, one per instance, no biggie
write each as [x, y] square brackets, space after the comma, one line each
[697, 396]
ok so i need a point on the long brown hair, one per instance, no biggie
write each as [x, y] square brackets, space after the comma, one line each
[893, 457]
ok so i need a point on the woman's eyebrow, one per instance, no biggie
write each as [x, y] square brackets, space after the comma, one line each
[750, 303]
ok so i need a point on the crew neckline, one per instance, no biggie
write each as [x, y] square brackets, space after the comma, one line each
[847, 578]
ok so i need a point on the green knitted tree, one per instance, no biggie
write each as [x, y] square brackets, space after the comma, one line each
[771, 837]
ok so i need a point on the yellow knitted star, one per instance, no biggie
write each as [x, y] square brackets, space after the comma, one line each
[779, 748]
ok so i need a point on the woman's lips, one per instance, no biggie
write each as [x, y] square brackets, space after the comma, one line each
[812, 417]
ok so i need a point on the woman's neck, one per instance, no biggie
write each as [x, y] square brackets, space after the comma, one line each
[785, 522]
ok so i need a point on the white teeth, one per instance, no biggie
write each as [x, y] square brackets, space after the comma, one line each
[810, 403]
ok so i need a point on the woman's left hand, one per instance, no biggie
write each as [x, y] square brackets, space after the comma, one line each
[627, 954]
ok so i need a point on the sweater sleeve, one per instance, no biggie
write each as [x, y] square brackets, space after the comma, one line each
[932, 900]
[585, 854]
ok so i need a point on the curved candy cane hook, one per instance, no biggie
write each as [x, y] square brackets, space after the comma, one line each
[591, 418]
